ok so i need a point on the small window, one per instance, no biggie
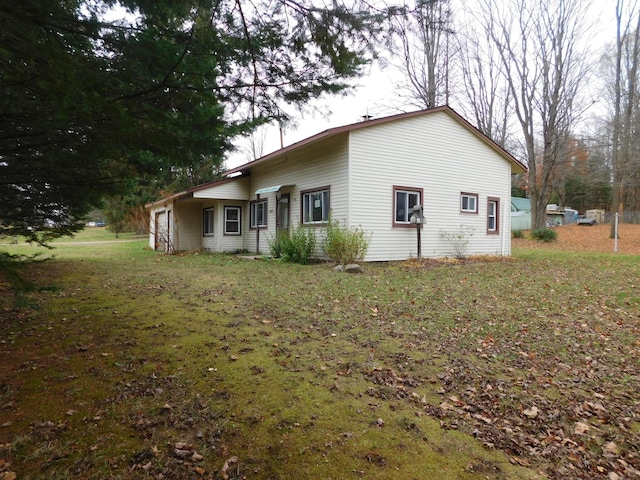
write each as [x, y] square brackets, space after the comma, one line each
[493, 215]
[404, 199]
[469, 202]
[315, 206]
[232, 218]
[207, 222]
[258, 214]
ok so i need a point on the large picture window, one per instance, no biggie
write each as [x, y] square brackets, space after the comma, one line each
[493, 215]
[315, 206]
[469, 202]
[258, 214]
[404, 199]
[207, 222]
[232, 220]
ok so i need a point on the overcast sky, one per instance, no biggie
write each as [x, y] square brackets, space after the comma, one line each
[375, 95]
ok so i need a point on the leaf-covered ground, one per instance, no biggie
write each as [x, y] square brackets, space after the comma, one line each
[140, 365]
[583, 238]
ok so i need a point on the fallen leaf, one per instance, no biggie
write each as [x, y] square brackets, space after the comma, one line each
[196, 457]
[531, 412]
[610, 448]
[581, 428]
[181, 453]
[227, 465]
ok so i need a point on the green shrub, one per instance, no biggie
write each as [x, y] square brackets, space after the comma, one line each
[277, 244]
[544, 235]
[517, 234]
[298, 246]
[345, 246]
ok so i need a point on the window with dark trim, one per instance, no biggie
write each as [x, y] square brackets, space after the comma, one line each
[493, 215]
[315, 206]
[232, 220]
[469, 202]
[258, 214]
[404, 199]
[207, 222]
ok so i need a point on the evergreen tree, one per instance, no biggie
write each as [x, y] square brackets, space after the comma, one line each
[88, 104]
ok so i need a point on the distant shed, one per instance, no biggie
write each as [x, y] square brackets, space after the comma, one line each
[520, 213]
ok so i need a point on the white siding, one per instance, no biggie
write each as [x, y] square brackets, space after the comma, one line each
[158, 221]
[319, 165]
[233, 190]
[188, 226]
[161, 232]
[436, 153]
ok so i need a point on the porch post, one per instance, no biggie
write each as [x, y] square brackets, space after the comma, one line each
[257, 224]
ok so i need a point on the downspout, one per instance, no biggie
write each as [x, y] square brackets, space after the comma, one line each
[506, 232]
[257, 224]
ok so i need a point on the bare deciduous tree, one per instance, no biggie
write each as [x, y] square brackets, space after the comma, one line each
[538, 46]
[627, 53]
[485, 90]
[422, 35]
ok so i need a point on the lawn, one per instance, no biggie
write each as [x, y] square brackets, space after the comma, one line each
[132, 364]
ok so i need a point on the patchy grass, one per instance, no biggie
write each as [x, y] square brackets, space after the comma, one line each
[141, 365]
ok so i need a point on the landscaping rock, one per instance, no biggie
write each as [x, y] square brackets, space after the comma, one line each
[353, 268]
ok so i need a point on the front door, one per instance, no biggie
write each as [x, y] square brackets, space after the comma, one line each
[282, 212]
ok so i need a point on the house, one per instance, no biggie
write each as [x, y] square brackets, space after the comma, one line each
[520, 213]
[369, 175]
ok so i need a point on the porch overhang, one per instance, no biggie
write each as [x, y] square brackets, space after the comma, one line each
[274, 188]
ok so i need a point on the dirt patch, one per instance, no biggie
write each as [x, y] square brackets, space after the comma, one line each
[583, 238]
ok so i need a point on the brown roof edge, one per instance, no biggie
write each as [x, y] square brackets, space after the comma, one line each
[244, 169]
[377, 121]
[170, 198]
[188, 193]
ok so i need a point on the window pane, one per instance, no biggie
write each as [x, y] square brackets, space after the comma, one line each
[414, 199]
[405, 201]
[492, 217]
[207, 221]
[468, 203]
[232, 220]
[315, 207]
[401, 206]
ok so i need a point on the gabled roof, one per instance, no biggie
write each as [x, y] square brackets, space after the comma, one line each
[332, 132]
[521, 204]
[242, 170]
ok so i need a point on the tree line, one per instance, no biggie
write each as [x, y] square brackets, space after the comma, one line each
[111, 103]
[527, 73]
